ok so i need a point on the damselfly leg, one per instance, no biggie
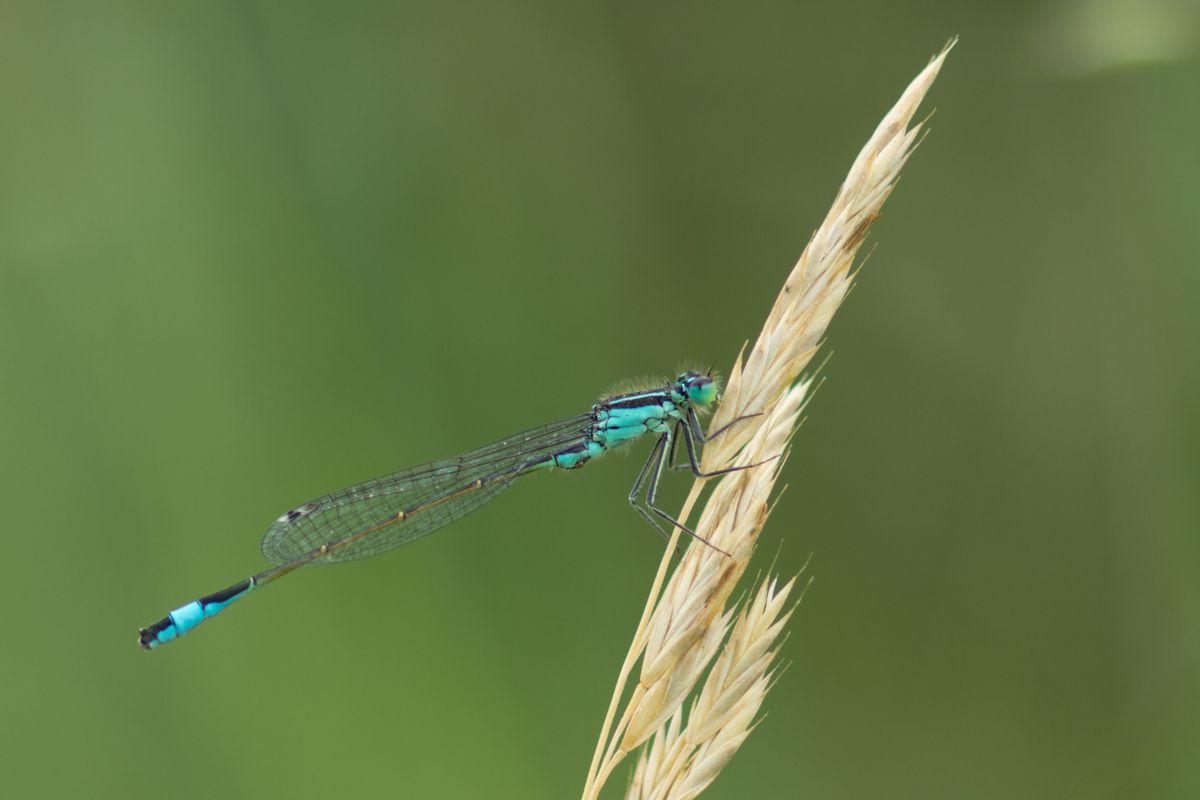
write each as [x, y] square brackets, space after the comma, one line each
[650, 473]
[692, 432]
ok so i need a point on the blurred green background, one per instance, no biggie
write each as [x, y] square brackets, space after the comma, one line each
[253, 252]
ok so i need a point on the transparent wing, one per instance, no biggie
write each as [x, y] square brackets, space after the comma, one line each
[432, 495]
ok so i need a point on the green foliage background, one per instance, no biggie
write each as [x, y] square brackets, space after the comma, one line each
[251, 252]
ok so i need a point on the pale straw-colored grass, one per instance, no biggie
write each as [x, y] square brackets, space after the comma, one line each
[682, 760]
[685, 627]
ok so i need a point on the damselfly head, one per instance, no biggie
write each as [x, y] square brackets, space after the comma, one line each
[699, 388]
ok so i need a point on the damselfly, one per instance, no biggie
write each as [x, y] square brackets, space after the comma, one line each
[385, 513]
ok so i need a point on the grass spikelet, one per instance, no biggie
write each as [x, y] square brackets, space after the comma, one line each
[684, 759]
[822, 276]
[685, 623]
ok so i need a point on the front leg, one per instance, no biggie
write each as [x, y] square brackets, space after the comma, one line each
[698, 432]
[688, 440]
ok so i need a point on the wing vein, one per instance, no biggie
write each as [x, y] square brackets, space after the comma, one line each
[384, 513]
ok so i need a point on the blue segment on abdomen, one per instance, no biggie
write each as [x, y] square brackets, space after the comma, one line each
[578, 455]
[186, 617]
[164, 635]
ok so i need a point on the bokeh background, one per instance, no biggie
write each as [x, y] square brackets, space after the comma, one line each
[251, 252]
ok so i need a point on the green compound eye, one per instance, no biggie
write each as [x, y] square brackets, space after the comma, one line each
[702, 391]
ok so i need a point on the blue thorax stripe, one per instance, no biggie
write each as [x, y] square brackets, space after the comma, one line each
[655, 398]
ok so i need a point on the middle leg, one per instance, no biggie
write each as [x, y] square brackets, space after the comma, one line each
[650, 474]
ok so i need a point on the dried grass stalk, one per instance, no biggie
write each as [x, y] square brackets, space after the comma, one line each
[681, 631]
[683, 760]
